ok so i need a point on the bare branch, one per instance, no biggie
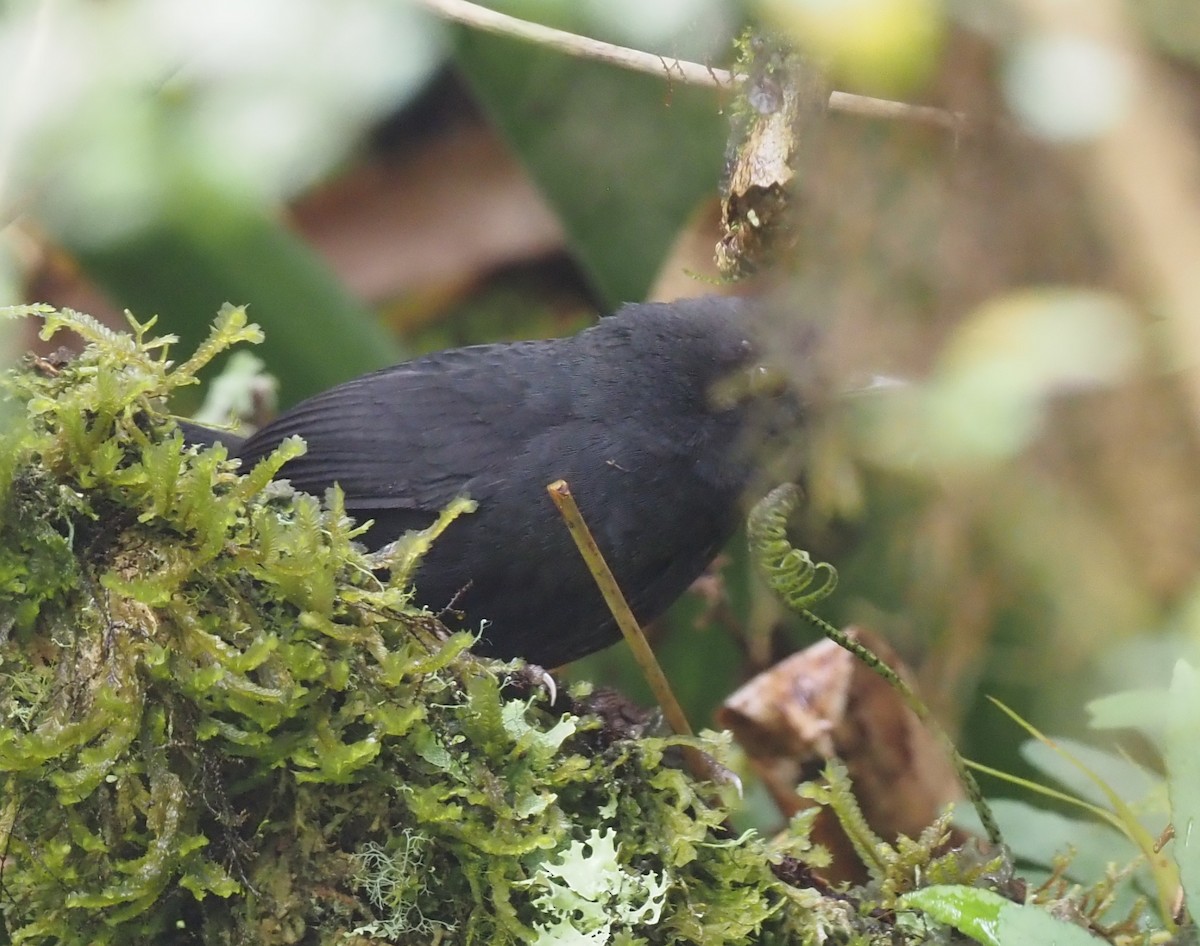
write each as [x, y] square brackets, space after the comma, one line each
[870, 107]
[490, 21]
[676, 70]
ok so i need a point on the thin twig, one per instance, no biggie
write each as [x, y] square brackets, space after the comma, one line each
[560, 492]
[490, 21]
[675, 70]
[700, 765]
[870, 107]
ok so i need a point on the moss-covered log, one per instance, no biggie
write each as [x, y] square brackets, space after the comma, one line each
[219, 724]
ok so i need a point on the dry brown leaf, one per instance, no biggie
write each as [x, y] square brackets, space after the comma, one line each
[823, 703]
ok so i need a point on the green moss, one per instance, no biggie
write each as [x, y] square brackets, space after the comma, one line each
[218, 724]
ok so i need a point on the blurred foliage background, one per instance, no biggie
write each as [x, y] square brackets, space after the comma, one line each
[1022, 520]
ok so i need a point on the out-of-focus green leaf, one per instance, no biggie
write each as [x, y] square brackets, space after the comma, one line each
[988, 918]
[1036, 836]
[1122, 813]
[1142, 709]
[1183, 776]
[1122, 775]
[886, 47]
[997, 375]
[623, 158]
[208, 248]
[1170, 719]
[153, 140]
[10, 294]
[101, 99]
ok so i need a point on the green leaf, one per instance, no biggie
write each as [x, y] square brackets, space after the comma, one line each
[623, 158]
[194, 258]
[1143, 709]
[988, 918]
[1070, 760]
[1183, 776]
[1037, 836]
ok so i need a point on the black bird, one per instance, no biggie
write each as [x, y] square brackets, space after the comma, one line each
[634, 413]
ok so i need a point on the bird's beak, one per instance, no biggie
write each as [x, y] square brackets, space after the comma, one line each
[757, 382]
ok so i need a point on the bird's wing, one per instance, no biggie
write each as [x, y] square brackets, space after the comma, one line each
[410, 437]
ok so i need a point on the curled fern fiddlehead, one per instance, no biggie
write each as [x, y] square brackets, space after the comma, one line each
[790, 573]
